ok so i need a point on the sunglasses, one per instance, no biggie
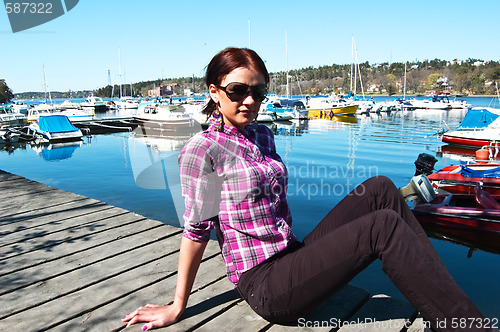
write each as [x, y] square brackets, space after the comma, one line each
[239, 91]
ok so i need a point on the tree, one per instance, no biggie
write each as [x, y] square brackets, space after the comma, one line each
[5, 92]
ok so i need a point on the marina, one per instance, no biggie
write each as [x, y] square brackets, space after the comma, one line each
[326, 158]
[72, 263]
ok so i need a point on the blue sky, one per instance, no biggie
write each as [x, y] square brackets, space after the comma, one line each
[164, 38]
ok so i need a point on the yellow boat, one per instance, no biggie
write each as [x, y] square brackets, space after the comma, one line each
[332, 111]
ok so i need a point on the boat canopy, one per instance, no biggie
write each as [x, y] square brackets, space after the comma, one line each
[472, 173]
[56, 124]
[479, 118]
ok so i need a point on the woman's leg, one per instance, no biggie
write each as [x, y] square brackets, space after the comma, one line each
[374, 194]
[286, 288]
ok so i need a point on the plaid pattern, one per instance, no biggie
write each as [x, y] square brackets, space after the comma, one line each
[236, 182]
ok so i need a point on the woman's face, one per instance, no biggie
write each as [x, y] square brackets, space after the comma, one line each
[238, 113]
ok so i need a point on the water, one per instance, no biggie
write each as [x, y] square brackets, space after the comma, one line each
[326, 159]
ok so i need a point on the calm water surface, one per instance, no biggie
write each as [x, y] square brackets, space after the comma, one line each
[326, 159]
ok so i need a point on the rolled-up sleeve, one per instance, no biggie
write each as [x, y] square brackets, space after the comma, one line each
[200, 188]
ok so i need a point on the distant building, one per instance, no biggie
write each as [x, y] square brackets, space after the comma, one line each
[160, 91]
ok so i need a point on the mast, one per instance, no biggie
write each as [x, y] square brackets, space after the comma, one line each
[286, 54]
[404, 86]
[120, 71]
[352, 58]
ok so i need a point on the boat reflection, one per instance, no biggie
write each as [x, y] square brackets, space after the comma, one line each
[485, 241]
[56, 151]
[287, 128]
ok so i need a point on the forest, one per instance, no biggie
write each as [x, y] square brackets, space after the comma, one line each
[467, 77]
[457, 77]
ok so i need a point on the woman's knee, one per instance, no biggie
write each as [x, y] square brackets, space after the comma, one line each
[375, 185]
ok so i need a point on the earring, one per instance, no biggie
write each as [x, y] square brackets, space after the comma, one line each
[217, 115]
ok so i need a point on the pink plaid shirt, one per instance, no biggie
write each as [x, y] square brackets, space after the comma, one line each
[236, 182]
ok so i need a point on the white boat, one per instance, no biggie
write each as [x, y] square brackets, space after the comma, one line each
[40, 110]
[480, 127]
[162, 116]
[10, 118]
[287, 109]
[127, 103]
[55, 127]
[68, 104]
[19, 106]
[431, 103]
[94, 103]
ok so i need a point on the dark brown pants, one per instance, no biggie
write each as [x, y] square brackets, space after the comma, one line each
[372, 222]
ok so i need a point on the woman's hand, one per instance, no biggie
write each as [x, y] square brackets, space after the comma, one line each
[154, 315]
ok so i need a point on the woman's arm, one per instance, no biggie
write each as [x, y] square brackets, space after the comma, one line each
[190, 256]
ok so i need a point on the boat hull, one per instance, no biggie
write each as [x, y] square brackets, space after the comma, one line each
[321, 113]
[462, 214]
[451, 180]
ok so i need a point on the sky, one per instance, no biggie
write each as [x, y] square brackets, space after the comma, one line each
[151, 39]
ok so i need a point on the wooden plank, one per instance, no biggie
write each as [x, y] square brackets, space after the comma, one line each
[56, 222]
[237, 318]
[32, 219]
[75, 245]
[36, 201]
[203, 302]
[13, 216]
[72, 281]
[338, 308]
[76, 304]
[382, 314]
[83, 233]
[22, 187]
[6, 176]
[79, 260]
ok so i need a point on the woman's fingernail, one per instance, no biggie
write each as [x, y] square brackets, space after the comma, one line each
[145, 327]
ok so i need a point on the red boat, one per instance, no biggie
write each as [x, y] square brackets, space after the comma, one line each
[479, 211]
[461, 179]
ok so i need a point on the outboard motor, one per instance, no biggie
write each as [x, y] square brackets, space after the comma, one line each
[425, 164]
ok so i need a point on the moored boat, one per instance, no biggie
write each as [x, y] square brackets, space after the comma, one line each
[162, 115]
[10, 118]
[94, 103]
[480, 127]
[462, 179]
[55, 128]
[478, 211]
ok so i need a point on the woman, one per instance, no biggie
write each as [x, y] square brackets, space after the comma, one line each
[234, 181]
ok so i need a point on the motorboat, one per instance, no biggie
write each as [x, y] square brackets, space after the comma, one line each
[480, 127]
[10, 118]
[431, 103]
[68, 105]
[462, 179]
[332, 105]
[127, 103]
[163, 116]
[478, 211]
[94, 103]
[54, 128]
[284, 109]
[19, 106]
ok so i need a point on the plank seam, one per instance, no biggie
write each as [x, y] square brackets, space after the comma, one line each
[45, 207]
[75, 290]
[106, 207]
[55, 243]
[89, 264]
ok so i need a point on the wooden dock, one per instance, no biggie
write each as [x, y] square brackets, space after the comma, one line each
[72, 263]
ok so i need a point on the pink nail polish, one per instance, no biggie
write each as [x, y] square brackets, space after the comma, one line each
[145, 327]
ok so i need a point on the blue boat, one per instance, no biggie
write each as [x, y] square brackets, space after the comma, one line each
[54, 128]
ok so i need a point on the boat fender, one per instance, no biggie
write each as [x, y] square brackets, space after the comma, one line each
[482, 155]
